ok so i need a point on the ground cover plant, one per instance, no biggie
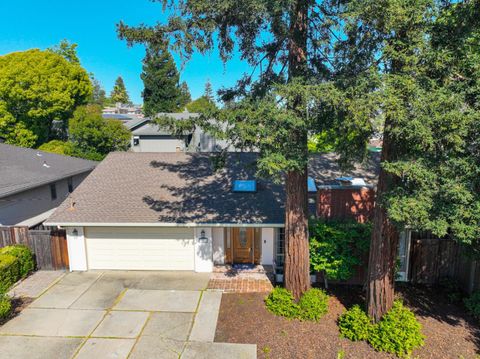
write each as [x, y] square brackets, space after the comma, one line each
[398, 332]
[311, 306]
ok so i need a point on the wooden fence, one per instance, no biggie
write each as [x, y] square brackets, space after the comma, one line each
[432, 259]
[48, 246]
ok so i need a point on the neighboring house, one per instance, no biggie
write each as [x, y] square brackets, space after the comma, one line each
[149, 137]
[33, 183]
[121, 117]
[174, 211]
[125, 109]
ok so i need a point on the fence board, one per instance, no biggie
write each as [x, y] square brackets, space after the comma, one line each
[49, 247]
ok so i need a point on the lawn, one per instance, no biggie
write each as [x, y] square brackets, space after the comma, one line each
[449, 331]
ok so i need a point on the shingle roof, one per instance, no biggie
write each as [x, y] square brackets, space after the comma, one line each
[135, 124]
[180, 188]
[25, 168]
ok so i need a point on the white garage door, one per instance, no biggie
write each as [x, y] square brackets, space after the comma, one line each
[140, 248]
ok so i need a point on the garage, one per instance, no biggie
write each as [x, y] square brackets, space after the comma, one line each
[140, 248]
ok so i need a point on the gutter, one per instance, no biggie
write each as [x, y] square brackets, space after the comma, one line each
[192, 225]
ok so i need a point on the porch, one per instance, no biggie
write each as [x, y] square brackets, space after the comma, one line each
[242, 278]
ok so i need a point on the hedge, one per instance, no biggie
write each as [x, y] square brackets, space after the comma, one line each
[24, 256]
[9, 272]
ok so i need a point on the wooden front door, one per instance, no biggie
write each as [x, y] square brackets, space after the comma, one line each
[243, 241]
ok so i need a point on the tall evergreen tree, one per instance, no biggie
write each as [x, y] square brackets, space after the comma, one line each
[162, 92]
[186, 96]
[208, 94]
[98, 95]
[287, 43]
[119, 92]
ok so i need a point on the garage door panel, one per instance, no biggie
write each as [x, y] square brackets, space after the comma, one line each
[129, 249]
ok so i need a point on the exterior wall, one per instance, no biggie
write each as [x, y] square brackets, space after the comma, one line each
[203, 250]
[339, 202]
[158, 144]
[77, 253]
[30, 203]
[218, 245]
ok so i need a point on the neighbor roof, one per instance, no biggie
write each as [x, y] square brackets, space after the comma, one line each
[24, 168]
[135, 124]
[180, 189]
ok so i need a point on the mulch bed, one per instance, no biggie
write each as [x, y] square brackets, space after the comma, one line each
[18, 304]
[449, 331]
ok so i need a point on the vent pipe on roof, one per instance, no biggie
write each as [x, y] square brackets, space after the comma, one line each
[45, 164]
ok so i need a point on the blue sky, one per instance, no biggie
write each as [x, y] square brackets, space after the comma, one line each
[26, 24]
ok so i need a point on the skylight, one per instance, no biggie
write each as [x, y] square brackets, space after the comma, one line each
[244, 186]
[311, 185]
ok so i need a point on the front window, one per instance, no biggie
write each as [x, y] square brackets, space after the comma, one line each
[280, 250]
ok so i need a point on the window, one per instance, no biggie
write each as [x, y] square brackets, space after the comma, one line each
[70, 184]
[136, 140]
[279, 250]
[53, 191]
[311, 185]
[244, 186]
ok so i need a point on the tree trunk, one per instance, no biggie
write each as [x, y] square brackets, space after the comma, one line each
[297, 257]
[383, 251]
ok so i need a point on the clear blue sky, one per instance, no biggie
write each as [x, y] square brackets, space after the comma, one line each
[26, 24]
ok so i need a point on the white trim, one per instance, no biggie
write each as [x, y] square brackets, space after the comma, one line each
[133, 224]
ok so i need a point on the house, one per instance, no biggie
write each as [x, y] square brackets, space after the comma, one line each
[176, 211]
[33, 183]
[126, 109]
[149, 137]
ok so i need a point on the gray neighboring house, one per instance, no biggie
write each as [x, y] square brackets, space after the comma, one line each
[174, 211]
[149, 137]
[34, 183]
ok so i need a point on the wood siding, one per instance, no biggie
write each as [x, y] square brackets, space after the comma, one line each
[346, 203]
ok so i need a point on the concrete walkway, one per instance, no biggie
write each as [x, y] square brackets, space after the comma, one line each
[121, 315]
[35, 284]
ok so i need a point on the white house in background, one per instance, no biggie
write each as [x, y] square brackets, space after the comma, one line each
[33, 183]
[149, 137]
[176, 211]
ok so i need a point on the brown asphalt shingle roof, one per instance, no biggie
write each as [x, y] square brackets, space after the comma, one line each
[148, 188]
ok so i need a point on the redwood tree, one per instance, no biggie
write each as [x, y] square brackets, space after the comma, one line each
[288, 44]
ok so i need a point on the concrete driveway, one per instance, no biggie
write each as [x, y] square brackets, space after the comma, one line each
[121, 315]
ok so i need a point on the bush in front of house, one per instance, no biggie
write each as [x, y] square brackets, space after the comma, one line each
[24, 256]
[355, 324]
[5, 306]
[280, 302]
[312, 305]
[336, 247]
[473, 304]
[9, 272]
[398, 332]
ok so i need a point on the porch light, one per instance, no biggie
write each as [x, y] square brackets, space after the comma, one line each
[75, 232]
[203, 238]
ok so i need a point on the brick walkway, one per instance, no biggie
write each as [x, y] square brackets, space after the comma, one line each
[241, 285]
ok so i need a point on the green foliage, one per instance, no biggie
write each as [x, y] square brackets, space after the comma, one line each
[354, 324]
[313, 305]
[24, 256]
[58, 147]
[99, 96]
[39, 90]
[398, 332]
[162, 92]
[281, 302]
[336, 247]
[186, 98]
[119, 92]
[14, 133]
[93, 137]
[473, 304]
[67, 50]
[5, 306]
[201, 105]
[9, 272]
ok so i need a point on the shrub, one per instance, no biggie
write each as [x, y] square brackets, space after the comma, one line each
[5, 306]
[336, 247]
[398, 332]
[281, 302]
[24, 256]
[9, 272]
[355, 324]
[473, 304]
[313, 305]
